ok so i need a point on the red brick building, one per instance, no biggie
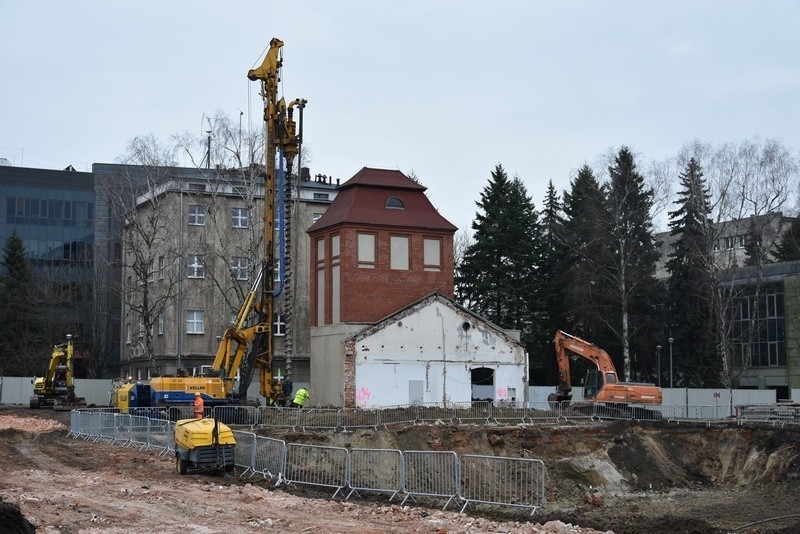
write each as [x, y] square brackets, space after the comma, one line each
[379, 247]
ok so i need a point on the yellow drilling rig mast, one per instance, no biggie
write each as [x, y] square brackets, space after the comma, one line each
[282, 144]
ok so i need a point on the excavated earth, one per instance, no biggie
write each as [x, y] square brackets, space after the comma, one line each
[604, 476]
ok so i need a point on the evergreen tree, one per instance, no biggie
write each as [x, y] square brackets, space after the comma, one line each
[631, 271]
[21, 349]
[583, 237]
[788, 249]
[553, 280]
[498, 274]
[691, 285]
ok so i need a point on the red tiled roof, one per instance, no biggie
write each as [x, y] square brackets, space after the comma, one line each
[362, 200]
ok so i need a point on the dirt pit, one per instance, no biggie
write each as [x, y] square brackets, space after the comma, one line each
[615, 477]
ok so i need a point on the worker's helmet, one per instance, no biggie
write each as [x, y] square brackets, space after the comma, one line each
[196, 393]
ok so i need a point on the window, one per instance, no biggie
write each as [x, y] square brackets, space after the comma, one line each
[320, 251]
[197, 215]
[334, 246]
[160, 324]
[194, 322]
[240, 217]
[129, 287]
[366, 251]
[128, 333]
[140, 333]
[729, 242]
[195, 267]
[742, 240]
[279, 325]
[240, 268]
[716, 245]
[432, 252]
[161, 267]
[321, 196]
[151, 272]
[398, 254]
[394, 203]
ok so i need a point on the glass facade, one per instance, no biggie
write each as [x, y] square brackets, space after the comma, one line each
[56, 225]
[758, 328]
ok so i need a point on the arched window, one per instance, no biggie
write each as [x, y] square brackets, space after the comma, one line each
[394, 203]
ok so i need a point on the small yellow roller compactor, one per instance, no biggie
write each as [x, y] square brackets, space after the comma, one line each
[203, 444]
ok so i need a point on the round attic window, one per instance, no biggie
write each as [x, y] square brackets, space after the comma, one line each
[394, 203]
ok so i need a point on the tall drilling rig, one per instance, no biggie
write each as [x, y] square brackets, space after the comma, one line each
[282, 145]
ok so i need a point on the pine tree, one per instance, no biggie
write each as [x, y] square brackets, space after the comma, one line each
[19, 320]
[788, 249]
[690, 293]
[498, 274]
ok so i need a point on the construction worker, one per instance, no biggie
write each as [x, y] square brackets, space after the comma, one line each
[199, 408]
[300, 398]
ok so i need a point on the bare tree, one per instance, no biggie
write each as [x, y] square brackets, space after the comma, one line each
[748, 181]
[149, 279]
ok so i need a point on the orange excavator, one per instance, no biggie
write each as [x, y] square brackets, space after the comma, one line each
[601, 383]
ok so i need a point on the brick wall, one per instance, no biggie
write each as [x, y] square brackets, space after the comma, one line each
[369, 294]
[350, 374]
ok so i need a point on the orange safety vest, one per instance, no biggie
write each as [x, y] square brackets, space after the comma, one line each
[199, 408]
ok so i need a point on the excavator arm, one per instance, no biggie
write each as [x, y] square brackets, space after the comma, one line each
[566, 344]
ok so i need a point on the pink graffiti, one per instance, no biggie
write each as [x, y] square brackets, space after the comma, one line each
[501, 393]
[363, 395]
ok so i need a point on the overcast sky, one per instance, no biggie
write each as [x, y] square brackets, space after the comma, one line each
[446, 89]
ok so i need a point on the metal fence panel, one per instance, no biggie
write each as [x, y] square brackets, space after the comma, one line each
[316, 465]
[139, 431]
[317, 417]
[161, 435]
[375, 470]
[542, 411]
[358, 418]
[270, 457]
[244, 454]
[430, 473]
[435, 412]
[397, 414]
[508, 411]
[276, 416]
[472, 412]
[236, 415]
[508, 481]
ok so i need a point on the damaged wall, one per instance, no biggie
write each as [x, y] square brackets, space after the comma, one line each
[426, 353]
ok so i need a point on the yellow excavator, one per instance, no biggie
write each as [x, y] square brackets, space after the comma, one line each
[56, 388]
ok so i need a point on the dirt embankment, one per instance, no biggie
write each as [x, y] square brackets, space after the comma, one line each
[604, 476]
[629, 477]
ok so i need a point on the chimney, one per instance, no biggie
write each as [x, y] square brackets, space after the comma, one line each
[305, 174]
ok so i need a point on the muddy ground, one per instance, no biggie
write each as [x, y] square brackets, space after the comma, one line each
[603, 476]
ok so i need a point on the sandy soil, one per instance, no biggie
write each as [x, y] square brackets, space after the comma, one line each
[603, 476]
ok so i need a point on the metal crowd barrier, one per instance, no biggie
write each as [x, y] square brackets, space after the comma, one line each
[496, 480]
[378, 470]
[430, 474]
[316, 465]
[774, 414]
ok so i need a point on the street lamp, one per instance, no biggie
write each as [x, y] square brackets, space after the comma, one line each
[670, 360]
[658, 357]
